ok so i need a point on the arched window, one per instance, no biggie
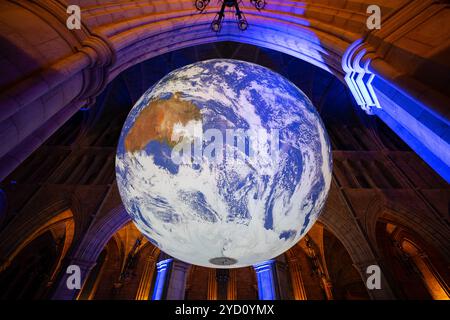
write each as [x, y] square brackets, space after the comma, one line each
[435, 284]
[414, 268]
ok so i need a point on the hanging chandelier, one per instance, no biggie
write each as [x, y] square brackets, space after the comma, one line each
[242, 23]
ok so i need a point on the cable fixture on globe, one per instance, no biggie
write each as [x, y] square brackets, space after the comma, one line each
[242, 23]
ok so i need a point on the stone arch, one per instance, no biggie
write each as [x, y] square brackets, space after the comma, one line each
[370, 217]
[417, 268]
[110, 262]
[24, 228]
[344, 280]
[338, 220]
[429, 228]
[319, 246]
[37, 216]
[60, 226]
[100, 233]
[417, 218]
[345, 229]
[90, 247]
[435, 282]
[320, 34]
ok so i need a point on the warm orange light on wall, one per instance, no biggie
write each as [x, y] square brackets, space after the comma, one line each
[430, 277]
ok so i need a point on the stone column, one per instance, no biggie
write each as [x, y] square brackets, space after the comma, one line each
[212, 285]
[415, 110]
[266, 280]
[145, 283]
[162, 268]
[222, 277]
[328, 288]
[62, 292]
[74, 74]
[232, 285]
[282, 283]
[298, 286]
[177, 281]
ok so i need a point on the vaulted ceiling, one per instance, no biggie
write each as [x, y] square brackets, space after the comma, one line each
[50, 72]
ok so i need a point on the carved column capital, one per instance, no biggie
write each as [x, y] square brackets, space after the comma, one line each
[96, 47]
[266, 280]
[355, 63]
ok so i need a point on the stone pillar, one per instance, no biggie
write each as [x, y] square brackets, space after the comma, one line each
[282, 283]
[232, 285]
[328, 288]
[162, 268]
[145, 283]
[62, 292]
[433, 281]
[45, 96]
[212, 285]
[177, 281]
[298, 286]
[222, 277]
[416, 111]
[266, 280]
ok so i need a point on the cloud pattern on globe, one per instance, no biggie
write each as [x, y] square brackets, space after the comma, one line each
[234, 212]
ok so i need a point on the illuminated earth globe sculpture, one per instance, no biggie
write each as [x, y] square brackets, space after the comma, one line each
[223, 164]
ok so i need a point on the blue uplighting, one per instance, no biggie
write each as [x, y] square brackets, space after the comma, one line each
[426, 131]
[162, 269]
[266, 281]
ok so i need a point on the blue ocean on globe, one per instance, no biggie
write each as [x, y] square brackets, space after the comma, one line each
[202, 197]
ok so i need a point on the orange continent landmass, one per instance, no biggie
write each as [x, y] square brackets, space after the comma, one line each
[156, 122]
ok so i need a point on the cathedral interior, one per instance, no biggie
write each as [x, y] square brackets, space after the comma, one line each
[383, 95]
